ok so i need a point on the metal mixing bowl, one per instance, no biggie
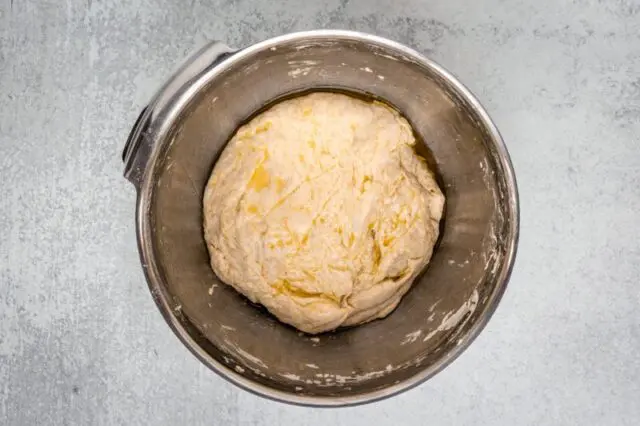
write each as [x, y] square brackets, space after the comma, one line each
[170, 154]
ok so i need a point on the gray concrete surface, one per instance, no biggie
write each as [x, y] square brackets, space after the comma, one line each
[81, 342]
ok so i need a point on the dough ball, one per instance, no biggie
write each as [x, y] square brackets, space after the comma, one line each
[320, 210]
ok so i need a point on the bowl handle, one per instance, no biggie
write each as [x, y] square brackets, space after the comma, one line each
[141, 140]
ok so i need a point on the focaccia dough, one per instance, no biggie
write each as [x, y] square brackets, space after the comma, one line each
[320, 210]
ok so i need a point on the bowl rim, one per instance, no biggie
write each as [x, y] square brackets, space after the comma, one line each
[163, 299]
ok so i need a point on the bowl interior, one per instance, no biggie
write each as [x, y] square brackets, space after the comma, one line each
[447, 304]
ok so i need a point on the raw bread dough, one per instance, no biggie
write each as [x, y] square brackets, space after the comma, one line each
[320, 210]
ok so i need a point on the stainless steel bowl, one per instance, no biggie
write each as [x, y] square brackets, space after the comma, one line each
[170, 154]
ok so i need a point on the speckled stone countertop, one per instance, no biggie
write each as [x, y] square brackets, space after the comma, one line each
[81, 341]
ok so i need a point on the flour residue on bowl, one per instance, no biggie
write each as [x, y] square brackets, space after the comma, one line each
[411, 337]
[232, 348]
[301, 67]
[453, 318]
[450, 320]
